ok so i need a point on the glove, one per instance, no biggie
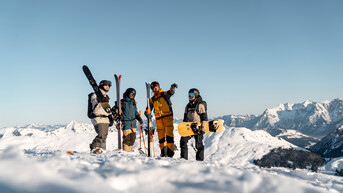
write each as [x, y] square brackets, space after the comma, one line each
[151, 130]
[139, 119]
[174, 85]
[119, 117]
[111, 120]
[149, 116]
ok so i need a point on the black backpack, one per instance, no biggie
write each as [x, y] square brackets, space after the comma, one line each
[90, 109]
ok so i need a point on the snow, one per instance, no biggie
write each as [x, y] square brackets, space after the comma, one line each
[34, 159]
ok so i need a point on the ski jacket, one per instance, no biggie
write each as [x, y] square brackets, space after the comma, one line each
[161, 103]
[129, 113]
[196, 111]
[101, 109]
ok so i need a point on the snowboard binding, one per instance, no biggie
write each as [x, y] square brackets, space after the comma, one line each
[195, 128]
[213, 126]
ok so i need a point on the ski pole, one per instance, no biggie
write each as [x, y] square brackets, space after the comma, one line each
[140, 132]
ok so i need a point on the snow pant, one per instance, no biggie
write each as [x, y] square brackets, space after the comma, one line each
[198, 145]
[165, 133]
[129, 137]
[100, 140]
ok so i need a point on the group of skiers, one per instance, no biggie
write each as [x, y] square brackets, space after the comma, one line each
[103, 117]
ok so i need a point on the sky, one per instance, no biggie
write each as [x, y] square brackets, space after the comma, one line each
[244, 56]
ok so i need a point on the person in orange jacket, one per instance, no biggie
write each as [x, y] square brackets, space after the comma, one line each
[162, 106]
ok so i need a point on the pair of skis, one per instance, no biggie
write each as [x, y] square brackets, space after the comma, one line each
[117, 78]
[150, 129]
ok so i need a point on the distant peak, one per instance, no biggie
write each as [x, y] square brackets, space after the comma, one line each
[307, 102]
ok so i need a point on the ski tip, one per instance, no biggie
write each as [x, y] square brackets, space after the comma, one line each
[117, 76]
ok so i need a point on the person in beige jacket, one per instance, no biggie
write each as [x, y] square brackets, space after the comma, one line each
[195, 111]
[101, 117]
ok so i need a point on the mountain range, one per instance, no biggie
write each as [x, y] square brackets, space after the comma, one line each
[302, 124]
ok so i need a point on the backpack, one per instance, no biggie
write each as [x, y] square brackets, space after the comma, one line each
[90, 109]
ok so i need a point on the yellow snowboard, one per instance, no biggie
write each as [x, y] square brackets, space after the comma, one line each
[188, 128]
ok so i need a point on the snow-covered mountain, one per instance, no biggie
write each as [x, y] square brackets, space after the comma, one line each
[227, 166]
[331, 145]
[313, 120]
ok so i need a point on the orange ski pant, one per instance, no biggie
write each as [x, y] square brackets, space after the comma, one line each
[165, 133]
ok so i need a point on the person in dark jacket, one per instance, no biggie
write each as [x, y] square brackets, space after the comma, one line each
[128, 118]
[195, 111]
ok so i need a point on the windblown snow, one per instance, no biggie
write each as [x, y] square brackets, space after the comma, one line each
[33, 158]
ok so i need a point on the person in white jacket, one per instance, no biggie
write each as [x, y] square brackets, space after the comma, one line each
[101, 117]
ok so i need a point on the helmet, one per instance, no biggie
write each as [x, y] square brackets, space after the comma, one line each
[105, 82]
[130, 92]
[193, 92]
[154, 84]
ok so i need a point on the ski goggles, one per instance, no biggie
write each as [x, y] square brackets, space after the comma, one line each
[191, 94]
[105, 82]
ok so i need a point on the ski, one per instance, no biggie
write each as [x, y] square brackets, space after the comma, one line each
[118, 78]
[148, 85]
[92, 81]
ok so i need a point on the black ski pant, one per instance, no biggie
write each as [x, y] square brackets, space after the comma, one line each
[100, 140]
[198, 145]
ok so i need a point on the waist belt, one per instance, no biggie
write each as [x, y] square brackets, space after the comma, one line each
[164, 116]
[101, 116]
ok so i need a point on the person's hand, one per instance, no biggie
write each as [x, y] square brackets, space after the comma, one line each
[148, 115]
[139, 119]
[174, 85]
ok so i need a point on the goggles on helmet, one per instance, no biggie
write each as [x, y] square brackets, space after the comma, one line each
[105, 82]
[191, 94]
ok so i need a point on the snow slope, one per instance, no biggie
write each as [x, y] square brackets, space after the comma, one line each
[33, 159]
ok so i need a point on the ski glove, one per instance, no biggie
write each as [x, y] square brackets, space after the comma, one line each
[111, 120]
[139, 119]
[151, 130]
[174, 85]
[149, 116]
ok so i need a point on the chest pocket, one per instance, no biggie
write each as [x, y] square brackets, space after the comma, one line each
[161, 107]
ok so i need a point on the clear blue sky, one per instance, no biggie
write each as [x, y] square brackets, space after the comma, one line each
[243, 56]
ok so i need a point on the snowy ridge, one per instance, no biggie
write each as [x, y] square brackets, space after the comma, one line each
[314, 120]
[227, 167]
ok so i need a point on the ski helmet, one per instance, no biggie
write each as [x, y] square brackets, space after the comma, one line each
[130, 92]
[105, 83]
[154, 84]
[193, 92]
